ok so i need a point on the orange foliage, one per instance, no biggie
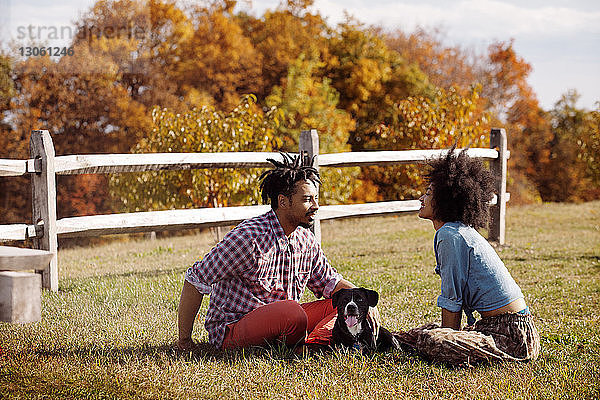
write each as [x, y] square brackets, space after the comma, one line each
[281, 36]
[510, 96]
[370, 78]
[218, 59]
[422, 123]
[505, 79]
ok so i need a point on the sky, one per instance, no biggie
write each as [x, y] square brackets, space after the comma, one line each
[559, 38]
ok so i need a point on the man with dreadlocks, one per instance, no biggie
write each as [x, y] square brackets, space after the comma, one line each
[473, 277]
[257, 274]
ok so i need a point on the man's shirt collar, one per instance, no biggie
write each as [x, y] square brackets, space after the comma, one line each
[280, 236]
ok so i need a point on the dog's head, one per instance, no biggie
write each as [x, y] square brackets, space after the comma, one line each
[353, 306]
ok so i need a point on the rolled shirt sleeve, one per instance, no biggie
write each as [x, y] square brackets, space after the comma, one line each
[192, 277]
[234, 253]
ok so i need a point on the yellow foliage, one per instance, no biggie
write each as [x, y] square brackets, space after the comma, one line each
[308, 102]
[204, 130]
[423, 123]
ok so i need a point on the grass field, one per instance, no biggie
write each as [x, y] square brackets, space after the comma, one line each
[109, 332]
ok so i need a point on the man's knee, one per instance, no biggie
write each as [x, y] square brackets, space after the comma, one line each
[294, 315]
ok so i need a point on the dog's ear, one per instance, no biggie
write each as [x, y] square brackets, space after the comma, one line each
[372, 296]
[336, 297]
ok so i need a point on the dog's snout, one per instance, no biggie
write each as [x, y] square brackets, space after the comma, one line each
[351, 308]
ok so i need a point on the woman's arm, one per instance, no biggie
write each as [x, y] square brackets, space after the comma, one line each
[452, 260]
[451, 319]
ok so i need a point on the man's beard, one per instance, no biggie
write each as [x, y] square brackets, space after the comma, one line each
[311, 220]
[307, 225]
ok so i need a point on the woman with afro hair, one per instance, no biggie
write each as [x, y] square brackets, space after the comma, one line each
[473, 277]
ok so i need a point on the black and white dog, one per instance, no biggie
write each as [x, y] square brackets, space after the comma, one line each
[352, 328]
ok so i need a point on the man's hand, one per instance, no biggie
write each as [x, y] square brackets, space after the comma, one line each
[375, 320]
[189, 304]
[186, 344]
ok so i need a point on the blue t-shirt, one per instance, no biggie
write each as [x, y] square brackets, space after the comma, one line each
[473, 276]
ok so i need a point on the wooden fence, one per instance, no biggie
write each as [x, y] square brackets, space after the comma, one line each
[43, 166]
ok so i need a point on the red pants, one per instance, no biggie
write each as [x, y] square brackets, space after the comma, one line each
[284, 320]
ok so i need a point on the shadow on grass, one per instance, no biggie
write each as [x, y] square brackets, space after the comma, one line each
[553, 257]
[205, 352]
[202, 352]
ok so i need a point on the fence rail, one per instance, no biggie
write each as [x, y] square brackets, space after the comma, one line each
[43, 166]
[383, 158]
[15, 232]
[119, 163]
[109, 224]
[13, 167]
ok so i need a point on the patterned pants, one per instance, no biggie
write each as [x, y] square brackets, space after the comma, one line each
[506, 337]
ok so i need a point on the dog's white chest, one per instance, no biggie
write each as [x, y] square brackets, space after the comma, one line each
[356, 329]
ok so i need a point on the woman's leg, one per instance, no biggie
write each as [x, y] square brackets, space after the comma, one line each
[451, 346]
[283, 320]
[513, 333]
[507, 337]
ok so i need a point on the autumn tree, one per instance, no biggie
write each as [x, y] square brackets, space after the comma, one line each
[590, 147]
[446, 66]
[128, 56]
[12, 145]
[309, 102]
[363, 88]
[204, 130]
[424, 123]
[370, 78]
[7, 86]
[96, 101]
[513, 105]
[85, 113]
[573, 173]
[281, 36]
[144, 42]
[506, 95]
[218, 59]
[505, 78]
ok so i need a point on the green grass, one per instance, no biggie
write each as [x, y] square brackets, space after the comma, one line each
[109, 331]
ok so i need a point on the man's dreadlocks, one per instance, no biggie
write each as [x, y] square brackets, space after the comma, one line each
[283, 178]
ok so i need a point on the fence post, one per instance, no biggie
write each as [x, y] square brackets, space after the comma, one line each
[308, 147]
[498, 141]
[43, 193]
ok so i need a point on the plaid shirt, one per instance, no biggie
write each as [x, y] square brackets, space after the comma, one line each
[257, 264]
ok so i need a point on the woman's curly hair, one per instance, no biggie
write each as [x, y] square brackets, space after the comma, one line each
[283, 178]
[462, 188]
